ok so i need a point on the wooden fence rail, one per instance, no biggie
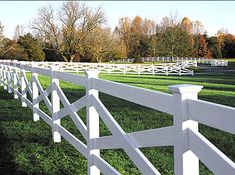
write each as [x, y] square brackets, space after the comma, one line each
[187, 110]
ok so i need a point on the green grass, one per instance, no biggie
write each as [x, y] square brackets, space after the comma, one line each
[26, 147]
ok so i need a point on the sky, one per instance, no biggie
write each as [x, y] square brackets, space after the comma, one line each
[214, 15]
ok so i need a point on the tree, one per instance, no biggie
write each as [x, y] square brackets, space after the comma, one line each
[214, 46]
[51, 54]
[31, 47]
[228, 49]
[173, 40]
[176, 42]
[198, 28]
[221, 35]
[124, 31]
[1, 36]
[200, 46]
[136, 34]
[18, 32]
[12, 50]
[119, 49]
[187, 25]
[152, 45]
[68, 30]
[100, 44]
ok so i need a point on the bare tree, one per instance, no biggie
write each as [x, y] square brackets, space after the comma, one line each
[1, 36]
[68, 29]
[198, 28]
[19, 31]
[46, 28]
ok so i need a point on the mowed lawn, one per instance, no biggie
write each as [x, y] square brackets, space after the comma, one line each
[26, 147]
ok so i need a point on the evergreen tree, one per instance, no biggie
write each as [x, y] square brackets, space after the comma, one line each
[228, 49]
[214, 46]
[31, 47]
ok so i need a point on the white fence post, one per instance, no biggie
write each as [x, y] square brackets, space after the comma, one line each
[23, 85]
[184, 163]
[35, 94]
[139, 69]
[153, 69]
[92, 118]
[5, 76]
[9, 80]
[167, 71]
[55, 104]
[1, 74]
[124, 70]
[15, 81]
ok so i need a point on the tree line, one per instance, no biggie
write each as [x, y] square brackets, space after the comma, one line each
[76, 32]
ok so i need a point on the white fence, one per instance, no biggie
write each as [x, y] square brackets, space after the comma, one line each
[210, 61]
[216, 63]
[189, 144]
[162, 69]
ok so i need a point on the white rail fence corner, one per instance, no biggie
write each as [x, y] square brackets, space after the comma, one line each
[189, 144]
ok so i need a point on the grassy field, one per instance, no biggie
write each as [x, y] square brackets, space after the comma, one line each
[26, 147]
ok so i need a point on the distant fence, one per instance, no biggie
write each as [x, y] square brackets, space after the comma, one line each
[161, 69]
[212, 62]
[184, 105]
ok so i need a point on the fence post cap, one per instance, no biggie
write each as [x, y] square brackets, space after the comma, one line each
[185, 88]
[92, 72]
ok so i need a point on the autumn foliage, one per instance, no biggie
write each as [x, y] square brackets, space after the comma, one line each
[75, 32]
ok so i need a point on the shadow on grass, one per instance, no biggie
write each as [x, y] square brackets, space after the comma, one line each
[7, 163]
[26, 147]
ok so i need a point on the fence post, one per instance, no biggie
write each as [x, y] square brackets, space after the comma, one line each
[109, 68]
[184, 163]
[139, 69]
[35, 94]
[9, 79]
[124, 70]
[167, 71]
[153, 70]
[55, 105]
[92, 118]
[1, 74]
[15, 81]
[4, 77]
[23, 85]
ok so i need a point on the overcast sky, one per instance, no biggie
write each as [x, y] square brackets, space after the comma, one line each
[214, 15]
